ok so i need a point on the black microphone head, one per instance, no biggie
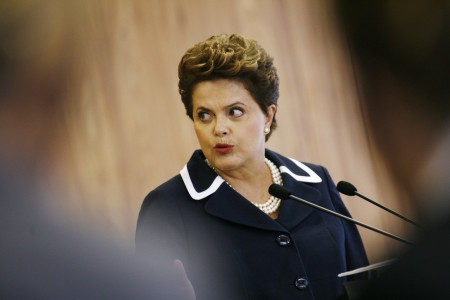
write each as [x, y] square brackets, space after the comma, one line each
[346, 188]
[279, 191]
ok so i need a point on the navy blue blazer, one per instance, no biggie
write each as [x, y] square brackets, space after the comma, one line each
[232, 250]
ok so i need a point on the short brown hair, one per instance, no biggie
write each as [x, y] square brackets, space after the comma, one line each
[232, 57]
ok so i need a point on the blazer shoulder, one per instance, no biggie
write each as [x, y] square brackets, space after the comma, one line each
[165, 194]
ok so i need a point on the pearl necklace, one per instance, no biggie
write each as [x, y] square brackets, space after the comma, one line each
[271, 205]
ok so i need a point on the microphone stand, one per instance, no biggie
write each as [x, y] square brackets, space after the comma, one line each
[280, 192]
[349, 189]
[387, 209]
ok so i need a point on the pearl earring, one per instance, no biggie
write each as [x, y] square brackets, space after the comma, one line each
[266, 130]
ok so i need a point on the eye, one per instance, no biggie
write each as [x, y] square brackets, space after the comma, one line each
[236, 112]
[204, 116]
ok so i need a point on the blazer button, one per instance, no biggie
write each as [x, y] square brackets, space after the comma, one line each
[301, 283]
[283, 240]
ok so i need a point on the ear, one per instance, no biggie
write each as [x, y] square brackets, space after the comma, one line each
[271, 110]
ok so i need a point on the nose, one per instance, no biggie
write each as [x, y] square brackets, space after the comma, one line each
[221, 127]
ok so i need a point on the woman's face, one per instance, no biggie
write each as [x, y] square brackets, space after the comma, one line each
[229, 124]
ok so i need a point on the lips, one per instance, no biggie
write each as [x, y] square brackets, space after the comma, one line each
[223, 148]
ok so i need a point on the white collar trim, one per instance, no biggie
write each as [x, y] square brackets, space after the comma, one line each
[311, 177]
[190, 187]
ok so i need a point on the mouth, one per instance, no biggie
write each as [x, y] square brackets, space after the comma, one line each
[223, 148]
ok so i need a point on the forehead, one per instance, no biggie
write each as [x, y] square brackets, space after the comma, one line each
[221, 91]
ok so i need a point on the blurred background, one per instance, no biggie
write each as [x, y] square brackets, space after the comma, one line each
[102, 76]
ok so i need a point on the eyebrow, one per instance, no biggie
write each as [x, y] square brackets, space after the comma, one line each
[226, 107]
[235, 103]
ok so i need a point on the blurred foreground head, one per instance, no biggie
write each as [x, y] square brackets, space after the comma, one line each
[46, 257]
[402, 62]
[36, 56]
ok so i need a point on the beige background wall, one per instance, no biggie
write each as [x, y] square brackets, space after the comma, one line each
[123, 129]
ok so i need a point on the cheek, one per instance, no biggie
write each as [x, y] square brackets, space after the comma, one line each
[257, 128]
[254, 133]
[200, 132]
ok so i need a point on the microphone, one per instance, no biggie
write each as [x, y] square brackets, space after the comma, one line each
[281, 192]
[349, 189]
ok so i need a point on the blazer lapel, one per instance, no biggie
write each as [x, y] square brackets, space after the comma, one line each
[222, 201]
[300, 180]
[292, 212]
[225, 203]
[229, 205]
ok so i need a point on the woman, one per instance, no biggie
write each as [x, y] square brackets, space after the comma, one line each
[235, 240]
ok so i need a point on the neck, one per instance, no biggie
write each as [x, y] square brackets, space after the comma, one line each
[253, 188]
